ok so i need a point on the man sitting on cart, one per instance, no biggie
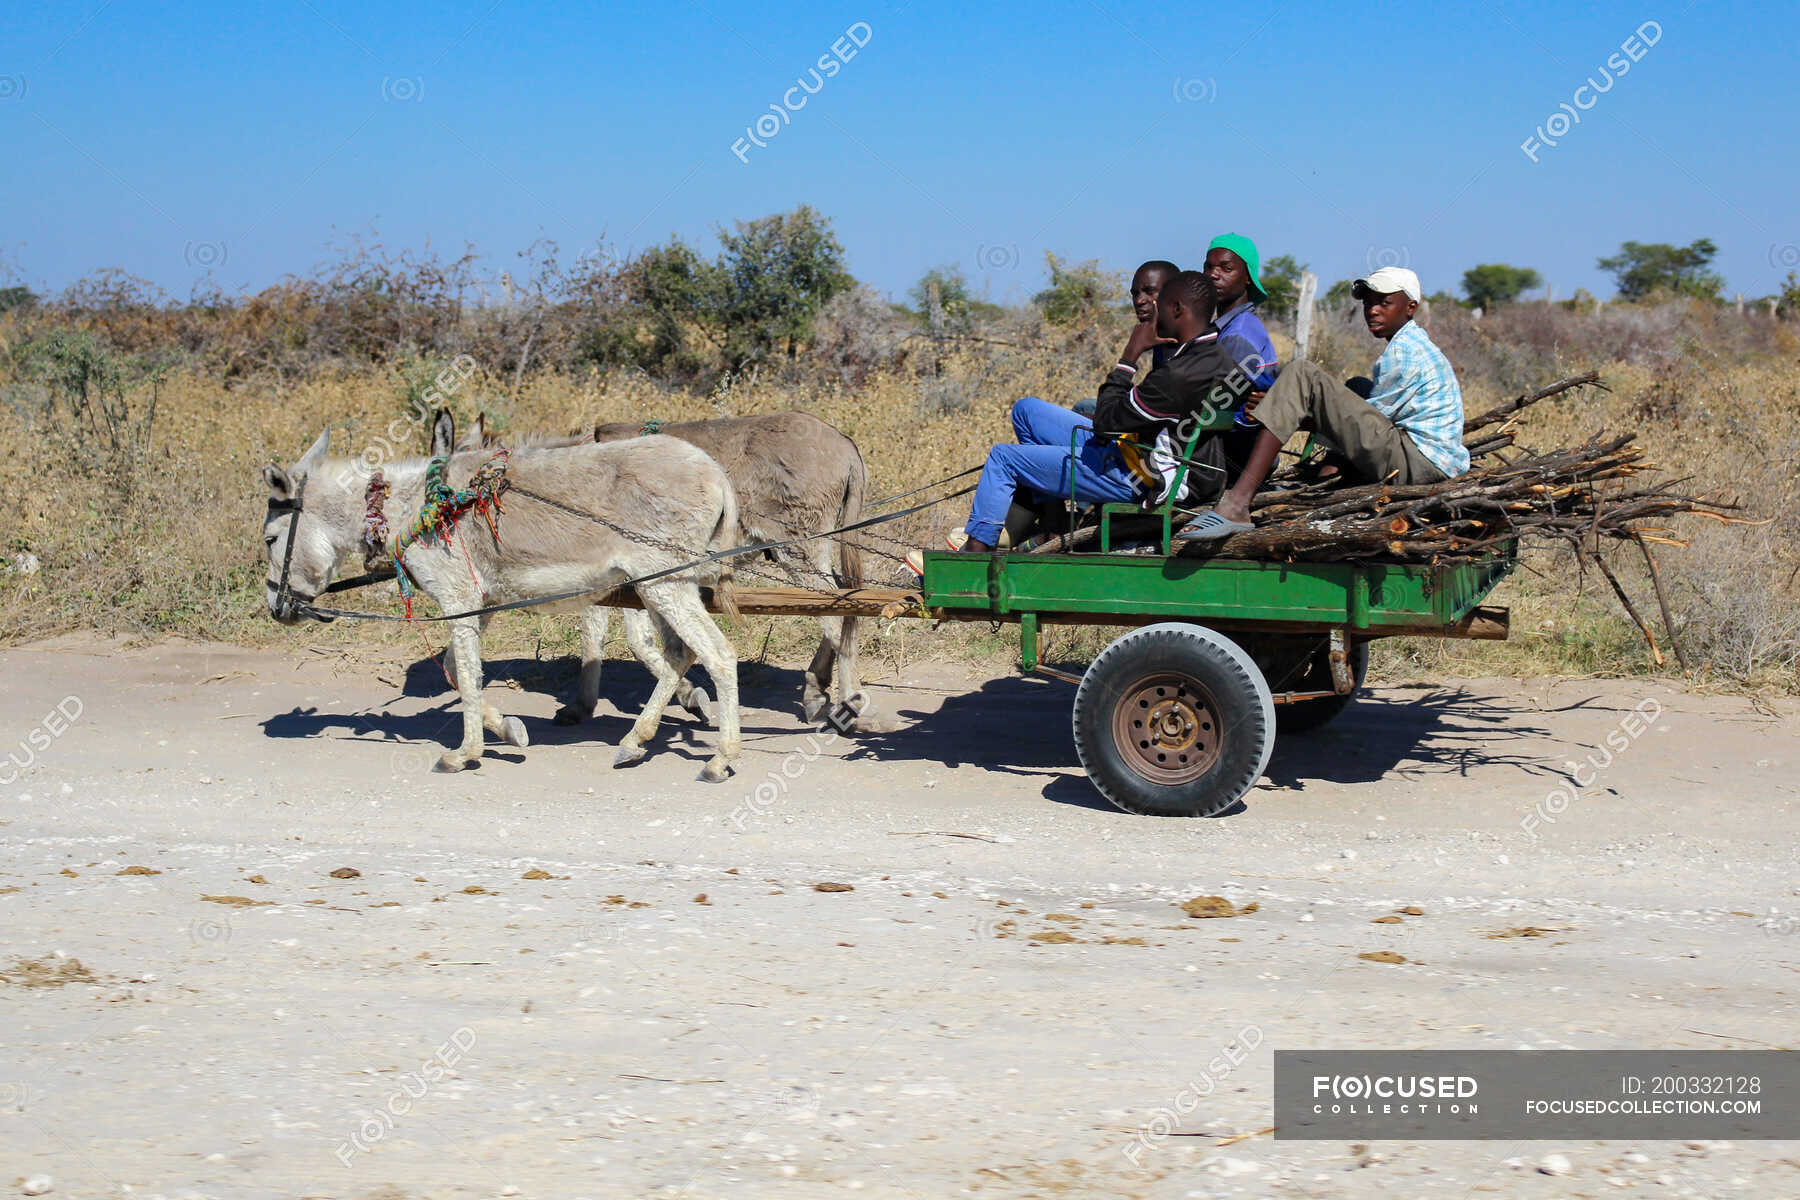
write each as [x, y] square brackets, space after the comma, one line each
[1198, 378]
[1407, 427]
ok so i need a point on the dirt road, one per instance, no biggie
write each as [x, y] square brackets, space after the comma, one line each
[549, 978]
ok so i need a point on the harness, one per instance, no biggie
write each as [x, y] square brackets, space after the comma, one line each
[438, 515]
[284, 594]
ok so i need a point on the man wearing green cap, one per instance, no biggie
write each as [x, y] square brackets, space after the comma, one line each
[1233, 264]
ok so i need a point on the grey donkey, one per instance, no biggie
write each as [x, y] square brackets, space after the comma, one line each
[794, 475]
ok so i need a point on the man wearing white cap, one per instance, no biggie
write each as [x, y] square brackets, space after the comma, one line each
[1409, 429]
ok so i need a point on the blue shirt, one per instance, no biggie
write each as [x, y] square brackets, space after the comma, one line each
[1243, 336]
[1416, 389]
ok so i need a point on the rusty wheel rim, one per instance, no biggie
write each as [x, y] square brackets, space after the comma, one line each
[1167, 729]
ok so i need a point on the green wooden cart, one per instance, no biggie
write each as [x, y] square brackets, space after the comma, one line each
[1178, 717]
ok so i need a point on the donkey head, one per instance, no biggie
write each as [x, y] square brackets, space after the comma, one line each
[293, 516]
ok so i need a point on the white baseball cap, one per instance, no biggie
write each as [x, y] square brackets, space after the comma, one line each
[1388, 279]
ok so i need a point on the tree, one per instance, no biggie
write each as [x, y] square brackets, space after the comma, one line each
[773, 276]
[1490, 284]
[1281, 283]
[668, 290]
[16, 297]
[1079, 293]
[1644, 269]
[1788, 302]
[947, 290]
[1338, 295]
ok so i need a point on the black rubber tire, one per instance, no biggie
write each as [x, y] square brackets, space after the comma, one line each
[1218, 672]
[1308, 715]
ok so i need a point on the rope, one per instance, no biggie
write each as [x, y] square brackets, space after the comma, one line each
[926, 488]
[310, 609]
[442, 509]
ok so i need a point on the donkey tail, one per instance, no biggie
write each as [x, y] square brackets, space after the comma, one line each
[726, 535]
[856, 482]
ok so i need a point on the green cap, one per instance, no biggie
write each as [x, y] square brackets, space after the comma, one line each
[1245, 249]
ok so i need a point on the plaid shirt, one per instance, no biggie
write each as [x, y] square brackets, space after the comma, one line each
[1416, 389]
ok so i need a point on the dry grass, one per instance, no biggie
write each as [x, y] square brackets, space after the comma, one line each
[164, 541]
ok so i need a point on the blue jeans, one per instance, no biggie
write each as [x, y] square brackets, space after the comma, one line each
[1041, 464]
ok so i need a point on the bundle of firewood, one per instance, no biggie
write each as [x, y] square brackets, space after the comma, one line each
[1572, 496]
[1580, 498]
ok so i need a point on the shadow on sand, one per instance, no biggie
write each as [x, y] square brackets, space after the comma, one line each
[1014, 724]
[625, 688]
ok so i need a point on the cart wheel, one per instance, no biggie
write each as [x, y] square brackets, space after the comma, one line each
[1311, 714]
[1173, 720]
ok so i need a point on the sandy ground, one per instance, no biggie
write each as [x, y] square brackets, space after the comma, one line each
[669, 1007]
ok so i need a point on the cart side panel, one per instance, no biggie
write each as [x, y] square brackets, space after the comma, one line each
[1362, 596]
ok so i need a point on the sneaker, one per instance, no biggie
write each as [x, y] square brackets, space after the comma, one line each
[956, 539]
[915, 562]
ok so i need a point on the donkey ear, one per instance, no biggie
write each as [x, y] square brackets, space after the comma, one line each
[443, 434]
[281, 487]
[314, 454]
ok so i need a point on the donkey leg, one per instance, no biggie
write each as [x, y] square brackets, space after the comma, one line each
[817, 679]
[465, 646]
[689, 695]
[849, 680]
[680, 607]
[640, 634]
[510, 730]
[593, 651]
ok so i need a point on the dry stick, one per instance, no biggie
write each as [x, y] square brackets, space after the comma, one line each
[1630, 608]
[1502, 411]
[524, 357]
[1662, 602]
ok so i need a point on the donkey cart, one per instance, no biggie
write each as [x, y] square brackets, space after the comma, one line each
[1178, 716]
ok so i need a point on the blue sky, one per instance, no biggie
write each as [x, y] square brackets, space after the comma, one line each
[166, 139]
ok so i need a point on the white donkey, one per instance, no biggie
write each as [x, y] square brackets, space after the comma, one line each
[660, 502]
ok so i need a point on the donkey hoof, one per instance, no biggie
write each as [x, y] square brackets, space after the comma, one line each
[568, 714]
[811, 710]
[513, 730]
[450, 763]
[715, 772]
[699, 702]
[627, 755]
